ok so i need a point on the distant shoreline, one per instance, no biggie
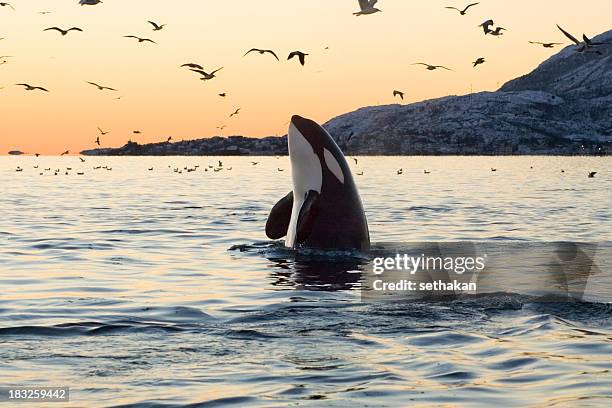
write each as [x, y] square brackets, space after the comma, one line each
[277, 146]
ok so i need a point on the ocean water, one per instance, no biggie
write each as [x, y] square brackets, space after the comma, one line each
[156, 288]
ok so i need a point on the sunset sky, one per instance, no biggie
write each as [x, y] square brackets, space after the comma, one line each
[368, 57]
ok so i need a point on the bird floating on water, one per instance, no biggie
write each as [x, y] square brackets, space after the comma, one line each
[464, 11]
[62, 31]
[367, 7]
[262, 52]
[592, 174]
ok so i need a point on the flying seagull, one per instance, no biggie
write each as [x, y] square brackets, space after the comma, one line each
[300, 55]
[221, 127]
[7, 5]
[103, 133]
[98, 140]
[140, 40]
[397, 93]
[100, 87]
[262, 52]
[367, 7]
[478, 61]
[464, 11]
[582, 46]
[545, 45]
[223, 94]
[65, 153]
[62, 31]
[236, 112]
[432, 67]
[206, 76]
[485, 26]
[89, 2]
[157, 27]
[33, 88]
[192, 65]
[498, 31]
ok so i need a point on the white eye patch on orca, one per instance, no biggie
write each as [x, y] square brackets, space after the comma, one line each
[333, 165]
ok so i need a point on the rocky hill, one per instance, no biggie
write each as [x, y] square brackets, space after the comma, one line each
[563, 107]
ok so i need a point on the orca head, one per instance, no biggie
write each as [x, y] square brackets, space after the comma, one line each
[313, 154]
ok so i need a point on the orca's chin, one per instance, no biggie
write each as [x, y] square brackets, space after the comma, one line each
[305, 165]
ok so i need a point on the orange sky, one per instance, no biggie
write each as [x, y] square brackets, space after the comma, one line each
[368, 58]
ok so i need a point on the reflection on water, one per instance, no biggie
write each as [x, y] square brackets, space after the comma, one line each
[120, 285]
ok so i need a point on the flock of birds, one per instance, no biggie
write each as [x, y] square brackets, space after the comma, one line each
[215, 168]
[366, 7]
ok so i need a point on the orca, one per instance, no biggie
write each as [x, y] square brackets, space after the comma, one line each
[324, 210]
